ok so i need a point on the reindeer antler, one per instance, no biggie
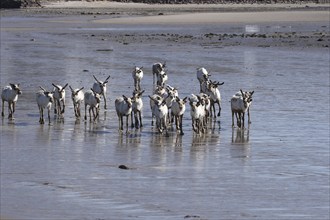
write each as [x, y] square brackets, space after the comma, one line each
[96, 79]
[43, 89]
[106, 80]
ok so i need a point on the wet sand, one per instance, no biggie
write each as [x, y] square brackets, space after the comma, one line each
[276, 168]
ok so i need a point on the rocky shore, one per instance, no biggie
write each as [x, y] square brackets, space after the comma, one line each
[40, 3]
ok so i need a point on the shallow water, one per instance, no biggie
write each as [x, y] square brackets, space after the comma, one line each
[277, 168]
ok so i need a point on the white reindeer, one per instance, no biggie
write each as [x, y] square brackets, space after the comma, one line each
[160, 111]
[10, 94]
[178, 109]
[162, 78]
[202, 76]
[215, 96]
[156, 69]
[59, 97]
[44, 100]
[137, 75]
[207, 101]
[172, 93]
[77, 96]
[197, 113]
[100, 87]
[92, 99]
[249, 94]
[239, 105]
[137, 106]
[152, 105]
[123, 108]
[161, 91]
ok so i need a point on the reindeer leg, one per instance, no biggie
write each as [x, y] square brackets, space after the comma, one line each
[219, 105]
[78, 110]
[3, 107]
[140, 116]
[181, 130]
[89, 110]
[9, 110]
[249, 120]
[41, 116]
[105, 101]
[14, 107]
[85, 112]
[127, 124]
[232, 119]
[55, 107]
[132, 123]
[49, 116]
[243, 118]
[177, 122]
[136, 118]
[165, 127]
[152, 119]
[121, 123]
[63, 110]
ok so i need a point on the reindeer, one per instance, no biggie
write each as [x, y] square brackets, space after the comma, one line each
[44, 100]
[10, 94]
[137, 75]
[100, 87]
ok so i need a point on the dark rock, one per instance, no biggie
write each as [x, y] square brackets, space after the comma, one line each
[124, 167]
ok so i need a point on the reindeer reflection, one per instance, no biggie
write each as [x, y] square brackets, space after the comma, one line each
[240, 137]
[241, 148]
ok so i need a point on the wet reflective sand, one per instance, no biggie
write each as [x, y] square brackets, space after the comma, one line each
[276, 168]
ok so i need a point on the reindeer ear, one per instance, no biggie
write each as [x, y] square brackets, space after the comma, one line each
[141, 92]
[185, 99]
[251, 93]
[71, 89]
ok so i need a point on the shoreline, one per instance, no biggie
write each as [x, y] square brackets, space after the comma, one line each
[129, 8]
[314, 34]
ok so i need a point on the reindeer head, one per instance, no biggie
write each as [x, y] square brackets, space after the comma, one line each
[60, 90]
[102, 84]
[137, 94]
[138, 70]
[75, 92]
[128, 101]
[16, 88]
[97, 97]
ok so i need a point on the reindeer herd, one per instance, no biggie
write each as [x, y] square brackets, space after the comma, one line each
[165, 104]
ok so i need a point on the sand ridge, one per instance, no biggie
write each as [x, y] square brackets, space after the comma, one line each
[203, 18]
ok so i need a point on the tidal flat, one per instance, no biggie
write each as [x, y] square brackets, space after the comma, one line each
[275, 168]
